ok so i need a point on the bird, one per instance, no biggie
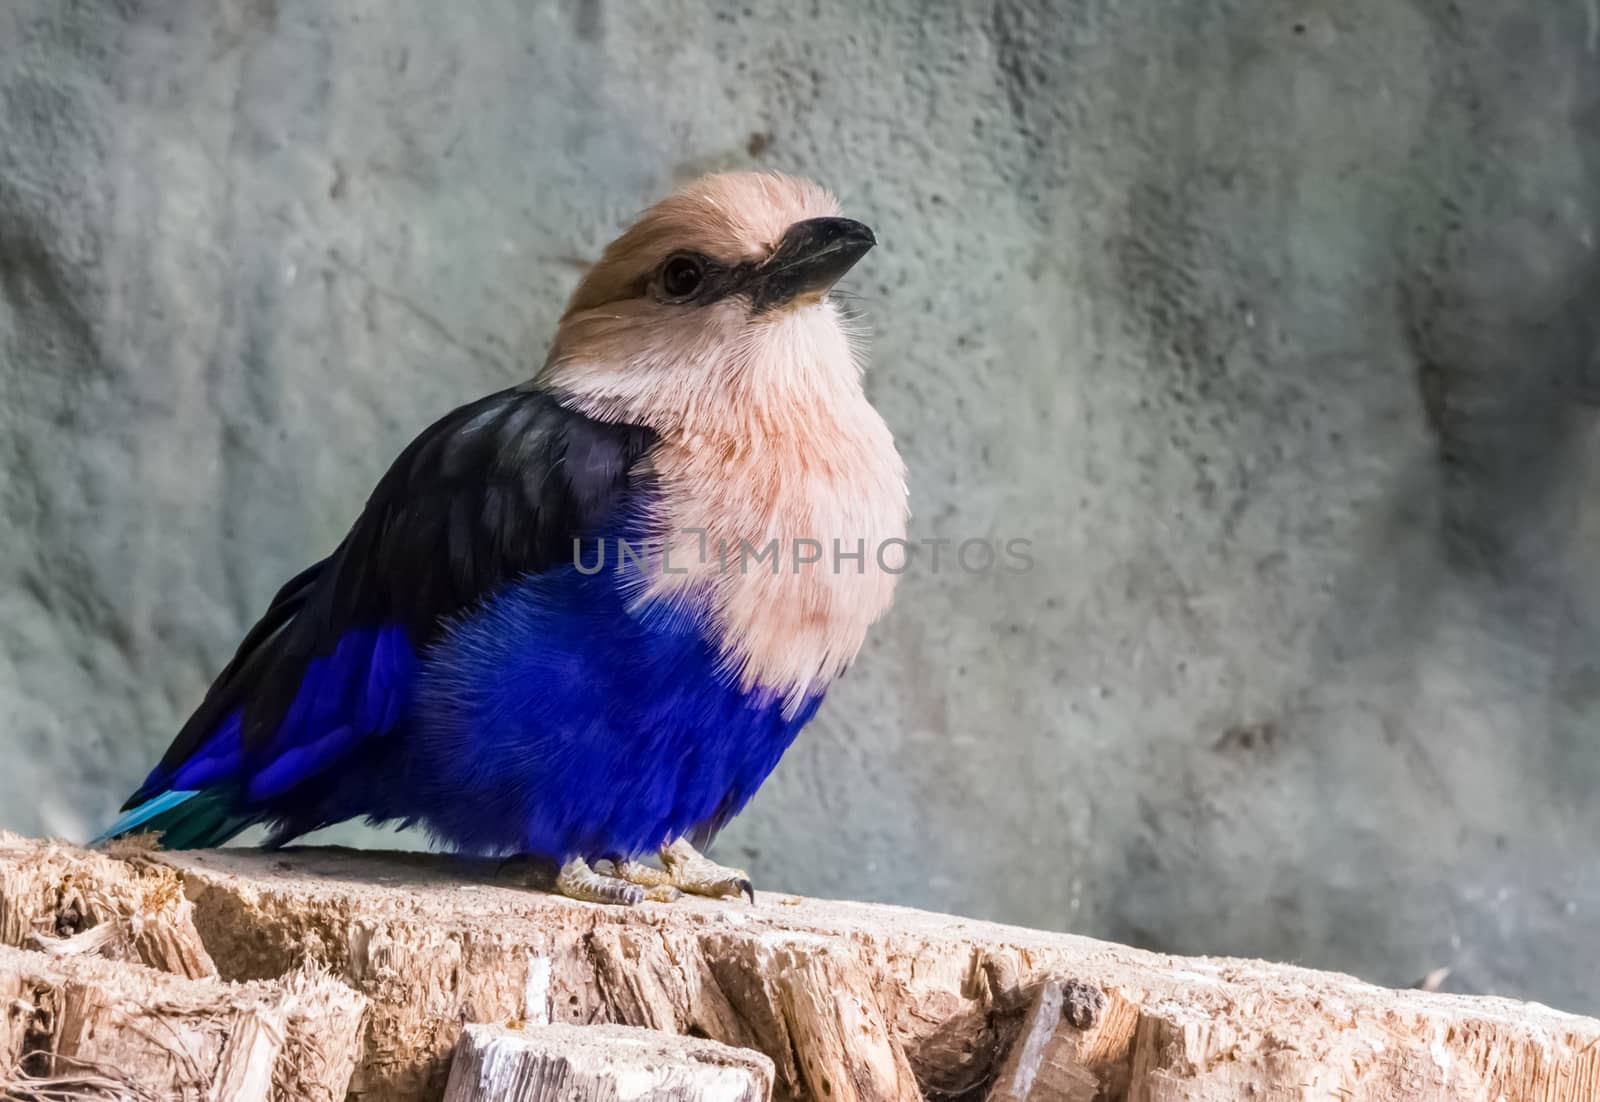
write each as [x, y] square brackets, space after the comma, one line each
[581, 619]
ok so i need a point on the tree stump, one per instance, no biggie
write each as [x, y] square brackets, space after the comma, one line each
[848, 1001]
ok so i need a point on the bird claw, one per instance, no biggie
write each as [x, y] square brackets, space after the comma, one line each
[699, 875]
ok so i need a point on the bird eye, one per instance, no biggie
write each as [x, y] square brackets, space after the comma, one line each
[681, 276]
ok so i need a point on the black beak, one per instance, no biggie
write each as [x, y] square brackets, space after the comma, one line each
[810, 259]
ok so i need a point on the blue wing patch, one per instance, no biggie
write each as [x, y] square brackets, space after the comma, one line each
[361, 691]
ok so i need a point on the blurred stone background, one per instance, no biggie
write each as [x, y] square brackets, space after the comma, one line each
[1272, 323]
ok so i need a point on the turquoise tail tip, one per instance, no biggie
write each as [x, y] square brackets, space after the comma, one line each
[192, 819]
[140, 816]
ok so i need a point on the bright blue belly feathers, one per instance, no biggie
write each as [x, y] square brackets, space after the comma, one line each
[596, 733]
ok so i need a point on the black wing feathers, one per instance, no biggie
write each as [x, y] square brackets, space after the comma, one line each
[491, 491]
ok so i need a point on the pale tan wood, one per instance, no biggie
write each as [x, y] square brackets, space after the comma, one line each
[82, 1026]
[865, 998]
[1020, 1069]
[563, 1063]
[845, 1050]
[67, 901]
[1069, 1048]
[244, 1072]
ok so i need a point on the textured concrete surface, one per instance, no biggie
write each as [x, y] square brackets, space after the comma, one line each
[1272, 324]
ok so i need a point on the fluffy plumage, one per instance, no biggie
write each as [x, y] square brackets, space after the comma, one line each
[450, 664]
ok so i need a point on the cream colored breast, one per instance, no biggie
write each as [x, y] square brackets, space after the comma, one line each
[741, 515]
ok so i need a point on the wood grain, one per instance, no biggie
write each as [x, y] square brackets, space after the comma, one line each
[562, 1063]
[848, 1001]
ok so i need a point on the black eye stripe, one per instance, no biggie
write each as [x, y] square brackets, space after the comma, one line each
[672, 281]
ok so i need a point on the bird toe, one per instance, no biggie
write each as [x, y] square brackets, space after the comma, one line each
[577, 880]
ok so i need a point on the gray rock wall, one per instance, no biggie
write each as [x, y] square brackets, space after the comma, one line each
[1272, 324]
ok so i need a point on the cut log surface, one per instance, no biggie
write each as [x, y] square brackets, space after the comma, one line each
[67, 901]
[849, 1001]
[601, 1063]
[83, 1027]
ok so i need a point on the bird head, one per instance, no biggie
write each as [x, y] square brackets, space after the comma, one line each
[714, 307]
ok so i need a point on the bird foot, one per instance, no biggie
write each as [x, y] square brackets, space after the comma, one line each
[577, 880]
[631, 882]
[687, 870]
[658, 884]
